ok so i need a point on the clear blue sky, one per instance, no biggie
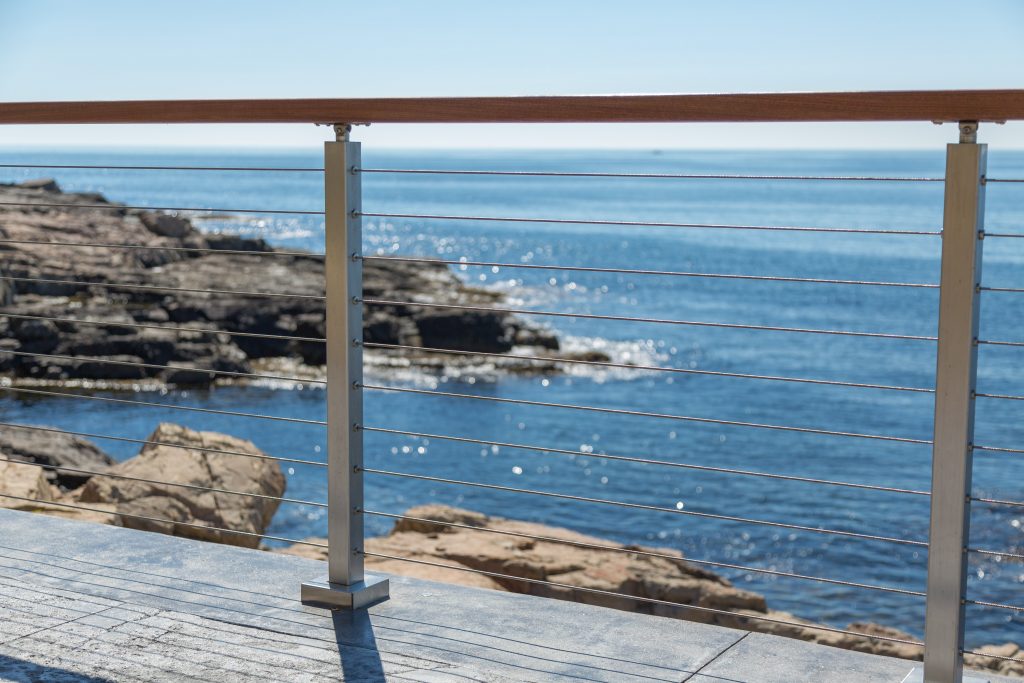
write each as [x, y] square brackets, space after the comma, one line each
[142, 49]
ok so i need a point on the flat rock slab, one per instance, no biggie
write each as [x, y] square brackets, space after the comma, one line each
[87, 602]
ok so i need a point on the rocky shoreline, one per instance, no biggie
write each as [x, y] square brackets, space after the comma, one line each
[241, 509]
[124, 286]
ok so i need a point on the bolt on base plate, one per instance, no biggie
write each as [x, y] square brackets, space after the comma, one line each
[323, 593]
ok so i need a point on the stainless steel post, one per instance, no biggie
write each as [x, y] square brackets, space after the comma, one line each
[956, 371]
[345, 584]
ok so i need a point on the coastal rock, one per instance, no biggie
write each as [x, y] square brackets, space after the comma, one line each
[165, 225]
[54, 449]
[161, 281]
[23, 481]
[185, 507]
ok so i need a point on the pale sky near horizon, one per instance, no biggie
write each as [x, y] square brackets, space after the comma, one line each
[164, 49]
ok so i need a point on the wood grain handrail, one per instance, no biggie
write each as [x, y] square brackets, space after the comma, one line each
[925, 105]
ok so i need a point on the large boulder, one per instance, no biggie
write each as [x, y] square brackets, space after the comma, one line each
[668, 578]
[213, 512]
[54, 449]
[23, 482]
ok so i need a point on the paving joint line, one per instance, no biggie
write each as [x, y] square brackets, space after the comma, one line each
[716, 657]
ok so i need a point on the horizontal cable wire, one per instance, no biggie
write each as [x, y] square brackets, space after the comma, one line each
[160, 521]
[645, 553]
[1001, 289]
[1003, 234]
[644, 461]
[660, 321]
[641, 506]
[655, 368]
[120, 207]
[998, 605]
[986, 654]
[59, 394]
[226, 373]
[197, 250]
[639, 413]
[195, 487]
[147, 442]
[169, 328]
[995, 449]
[992, 342]
[996, 501]
[688, 176]
[163, 168]
[996, 553]
[160, 288]
[629, 271]
[598, 591]
[1004, 180]
[1009, 397]
[650, 224]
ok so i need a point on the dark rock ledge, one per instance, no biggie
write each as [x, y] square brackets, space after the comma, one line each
[190, 354]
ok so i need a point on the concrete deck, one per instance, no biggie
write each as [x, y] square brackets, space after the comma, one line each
[84, 602]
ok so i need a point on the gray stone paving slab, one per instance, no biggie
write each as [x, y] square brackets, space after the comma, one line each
[112, 604]
[761, 658]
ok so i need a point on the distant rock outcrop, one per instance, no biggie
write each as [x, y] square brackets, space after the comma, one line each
[124, 286]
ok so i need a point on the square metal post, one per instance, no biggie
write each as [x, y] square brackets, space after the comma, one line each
[345, 584]
[956, 372]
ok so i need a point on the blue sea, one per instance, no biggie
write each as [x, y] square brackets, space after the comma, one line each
[915, 206]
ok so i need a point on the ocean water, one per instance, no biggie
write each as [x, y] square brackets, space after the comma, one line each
[898, 310]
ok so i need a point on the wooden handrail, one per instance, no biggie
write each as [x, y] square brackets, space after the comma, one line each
[935, 105]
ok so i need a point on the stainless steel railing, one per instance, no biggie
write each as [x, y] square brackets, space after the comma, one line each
[347, 584]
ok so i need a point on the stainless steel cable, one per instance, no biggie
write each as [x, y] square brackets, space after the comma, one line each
[169, 328]
[160, 288]
[164, 168]
[195, 250]
[1004, 180]
[1009, 397]
[643, 461]
[986, 654]
[59, 394]
[147, 442]
[654, 368]
[686, 176]
[1001, 289]
[996, 553]
[159, 520]
[992, 342]
[651, 224]
[1003, 234]
[598, 591]
[995, 604]
[995, 449]
[227, 373]
[639, 413]
[660, 321]
[155, 482]
[636, 551]
[652, 508]
[629, 271]
[121, 207]
[996, 501]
